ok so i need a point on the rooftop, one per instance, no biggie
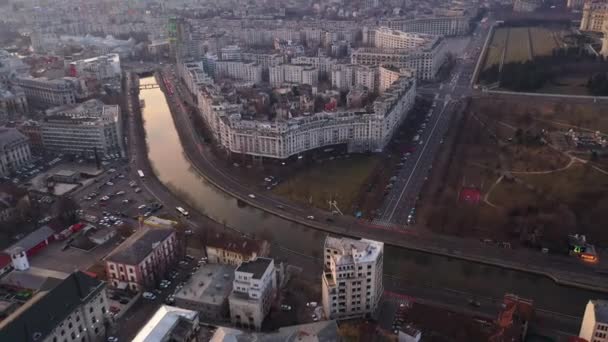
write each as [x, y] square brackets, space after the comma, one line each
[324, 331]
[32, 239]
[138, 246]
[354, 250]
[600, 308]
[255, 267]
[233, 243]
[10, 136]
[162, 324]
[211, 284]
[41, 314]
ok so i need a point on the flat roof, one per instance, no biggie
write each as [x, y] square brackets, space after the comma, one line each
[32, 239]
[255, 267]
[211, 284]
[163, 322]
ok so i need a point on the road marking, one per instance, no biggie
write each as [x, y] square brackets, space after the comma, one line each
[417, 161]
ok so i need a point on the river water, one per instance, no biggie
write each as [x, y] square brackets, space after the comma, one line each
[407, 269]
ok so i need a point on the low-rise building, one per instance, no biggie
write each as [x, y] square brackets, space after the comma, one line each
[594, 327]
[222, 248]
[170, 323]
[14, 151]
[254, 288]
[74, 309]
[142, 260]
[207, 292]
[445, 26]
[85, 128]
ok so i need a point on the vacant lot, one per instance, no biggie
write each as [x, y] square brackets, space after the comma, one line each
[531, 192]
[338, 180]
[518, 45]
[522, 43]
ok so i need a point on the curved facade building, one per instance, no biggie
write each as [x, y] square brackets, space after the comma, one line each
[361, 130]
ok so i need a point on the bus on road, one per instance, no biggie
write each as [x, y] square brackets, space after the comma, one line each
[182, 211]
[140, 173]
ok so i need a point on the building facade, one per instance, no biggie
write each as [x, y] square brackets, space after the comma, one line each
[83, 129]
[360, 129]
[386, 38]
[425, 61]
[73, 310]
[445, 26]
[244, 71]
[594, 327]
[253, 290]
[352, 280]
[45, 92]
[293, 73]
[143, 259]
[232, 250]
[14, 151]
[170, 323]
[193, 75]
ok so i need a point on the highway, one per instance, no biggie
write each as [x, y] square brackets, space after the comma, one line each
[399, 205]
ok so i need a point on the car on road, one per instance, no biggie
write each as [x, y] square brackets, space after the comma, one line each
[310, 217]
[279, 206]
[137, 190]
[285, 307]
[112, 339]
[109, 183]
[149, 295]
[120, 193]
[251, 196]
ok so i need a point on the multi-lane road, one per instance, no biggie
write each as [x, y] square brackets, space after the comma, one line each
[399, 205]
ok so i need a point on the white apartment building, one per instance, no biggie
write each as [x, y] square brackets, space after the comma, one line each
[444, 26]
[323, 63]
[347, 76]
[388, 76]
[425, 61]
[102, 68]
[73, 310]
[83, 128]
[594, 327]
[253, 290]
[384, 37]
[14, 151]
[352, 279]
[293, 73]
[193, 74]
[244, 71]
[360, 130]
[264, 59]
[170, 323]
[230, 53]
[47, 92]
[367, 77]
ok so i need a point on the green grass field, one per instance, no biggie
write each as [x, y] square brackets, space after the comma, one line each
[338, 179]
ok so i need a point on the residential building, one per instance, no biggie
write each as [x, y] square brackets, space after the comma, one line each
[444, 26]
[10, 67]
[72, 309]
[425, 61]
[322, 63]
[367, 77]
[12, 101]
[352, 279]
[386, 38]
[207, 292]
[11, 197]
[360, 130]
[293, 73]
[45, 92]
[230, 53]
[14, 151]
[193, 74]
[323, 331]
[170, 323]
[254, 288]
[526, 5]
[141, 261]
[595, 14]
[33, 131]
[85, 128]
[222, 248]
[103, 69]
[244, 71]
[265, 59]
[389, 75]
[594, 327]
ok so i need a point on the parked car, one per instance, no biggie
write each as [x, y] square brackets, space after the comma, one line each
[149, 295]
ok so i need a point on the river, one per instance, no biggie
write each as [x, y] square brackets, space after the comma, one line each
[411, 268]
